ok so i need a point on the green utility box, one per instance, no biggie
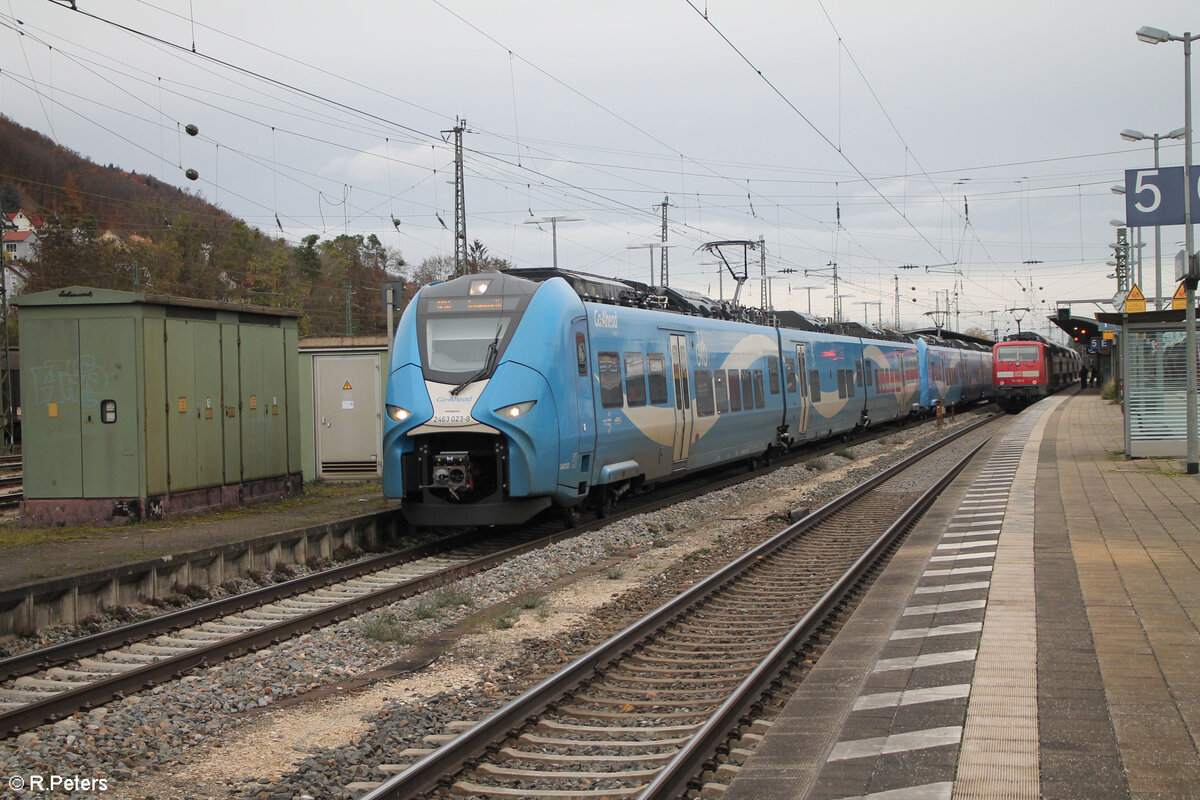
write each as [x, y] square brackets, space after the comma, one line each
[138, 406]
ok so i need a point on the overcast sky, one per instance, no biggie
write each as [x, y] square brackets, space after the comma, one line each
[978, 139]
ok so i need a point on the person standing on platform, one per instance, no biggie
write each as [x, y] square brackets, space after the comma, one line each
[1083, 377]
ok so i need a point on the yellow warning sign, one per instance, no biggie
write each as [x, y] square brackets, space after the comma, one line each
[346, 386]
[1179, 300]
[1135, 301]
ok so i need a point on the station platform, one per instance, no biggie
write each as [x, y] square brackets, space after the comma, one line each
[28, 557]
[1035, 637]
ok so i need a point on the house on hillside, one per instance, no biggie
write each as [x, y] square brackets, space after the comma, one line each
[20, 235]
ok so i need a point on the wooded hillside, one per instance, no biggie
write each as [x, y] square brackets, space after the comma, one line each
[110, 228]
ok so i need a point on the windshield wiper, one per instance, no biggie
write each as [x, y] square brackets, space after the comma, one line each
[489, 365]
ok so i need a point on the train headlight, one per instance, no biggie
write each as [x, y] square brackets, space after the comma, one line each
[397, 413]
[516, 409]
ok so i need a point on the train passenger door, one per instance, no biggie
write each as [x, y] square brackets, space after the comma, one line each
[577, 432]
[684, 421]
[802, 383]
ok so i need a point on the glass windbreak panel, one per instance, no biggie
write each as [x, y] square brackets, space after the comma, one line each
[1018, 352]
[1156, 394]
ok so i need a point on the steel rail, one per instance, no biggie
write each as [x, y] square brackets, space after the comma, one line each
[426, 773]
[672, 781]
[64, 652]
[99, 692]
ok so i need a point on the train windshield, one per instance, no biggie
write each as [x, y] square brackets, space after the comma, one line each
[1017, 352]
[464, 325]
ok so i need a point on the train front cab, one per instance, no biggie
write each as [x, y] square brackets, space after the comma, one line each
[483, 425]
[1019, 373]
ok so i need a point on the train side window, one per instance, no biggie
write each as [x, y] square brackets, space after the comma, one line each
[789, 373]
[841, 384]
[773, 373]
[814, 385]
[720, 391]
[635, 379]
[858, 376]
[610, 380]
[758, 389]
[747, 390]
[850, 381]
[581, 354]
[868, 371]
[735, 391]
[657, 373]
[704, 393]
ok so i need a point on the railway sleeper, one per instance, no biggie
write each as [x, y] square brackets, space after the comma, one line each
[231, 626]
[690, 651]
[108, 667]
[157, 650]
[496, 771]
[663, 666]
[694, 625]
[623, 676]
[621, 692]
[569, 727]
[669, 701]
[768, 637]
[537, 740]
[77, 675]
[200, 635]
[21, 697]
[470, 789]
[47, 684]
[622, 716]
[131, 657]
[558, 758]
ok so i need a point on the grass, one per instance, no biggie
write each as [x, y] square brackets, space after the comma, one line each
[531, 600]
[506, 619]
[845, 453]
[386, 628]
[13, 536]
[450, 596]
[614, 573]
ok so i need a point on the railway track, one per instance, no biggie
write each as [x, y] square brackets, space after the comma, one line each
[51, 683]
[643, 714]
[11, 481]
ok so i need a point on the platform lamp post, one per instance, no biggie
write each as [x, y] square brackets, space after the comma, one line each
[554, 220]
[649, 246]
[1130, 135]
[1158, 36]
[809, 289]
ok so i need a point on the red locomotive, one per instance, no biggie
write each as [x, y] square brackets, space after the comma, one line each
[1026, 367]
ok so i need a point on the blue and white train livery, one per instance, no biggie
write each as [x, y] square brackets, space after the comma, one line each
[513, 392]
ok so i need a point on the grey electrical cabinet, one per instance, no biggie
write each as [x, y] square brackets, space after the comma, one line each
[140, 406]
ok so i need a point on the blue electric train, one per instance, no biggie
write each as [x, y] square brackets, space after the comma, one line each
[514, 391]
